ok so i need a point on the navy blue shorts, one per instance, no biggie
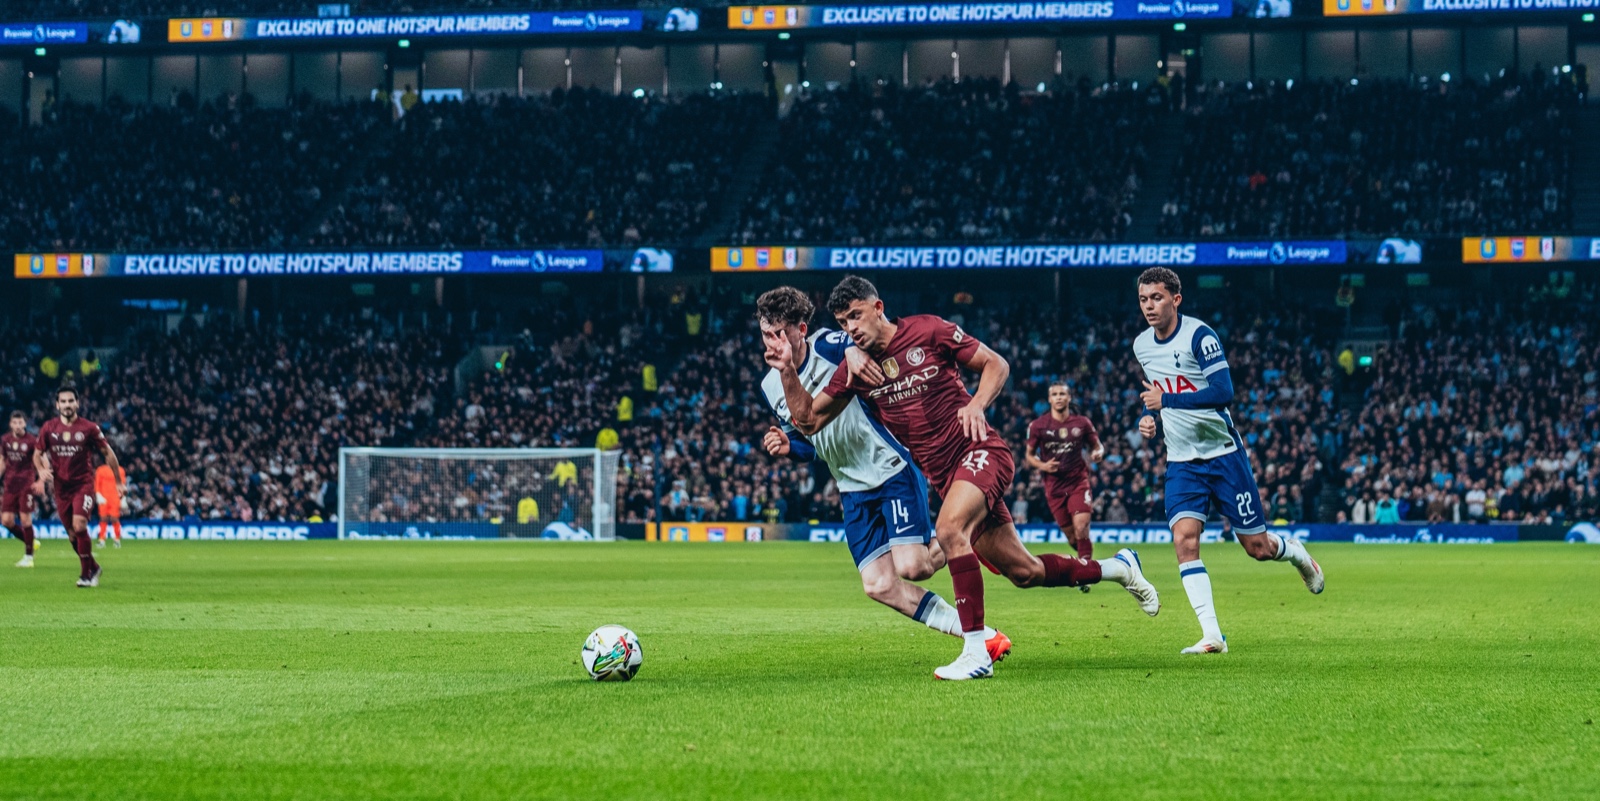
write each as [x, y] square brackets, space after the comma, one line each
[1191, 486]
[896, 513]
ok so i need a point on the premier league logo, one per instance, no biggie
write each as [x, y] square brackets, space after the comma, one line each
[1278, 254]
[590, 21]
[1177, 8]
[539, 262]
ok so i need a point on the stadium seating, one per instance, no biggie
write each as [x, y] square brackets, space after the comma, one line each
[181, 175]
[576, 168]
[1337, 158]
[968, 161]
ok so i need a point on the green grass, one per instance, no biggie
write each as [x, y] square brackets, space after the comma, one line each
[449, 670]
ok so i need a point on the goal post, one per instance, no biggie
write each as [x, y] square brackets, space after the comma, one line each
[478, 493]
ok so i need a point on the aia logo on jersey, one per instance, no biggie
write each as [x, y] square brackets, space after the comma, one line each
[916, 357]
[1175, 385]
[891, 368]
[976, 462]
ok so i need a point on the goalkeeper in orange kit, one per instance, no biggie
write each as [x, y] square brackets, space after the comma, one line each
[110, 500]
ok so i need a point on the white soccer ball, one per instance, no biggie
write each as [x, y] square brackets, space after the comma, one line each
[612, 653]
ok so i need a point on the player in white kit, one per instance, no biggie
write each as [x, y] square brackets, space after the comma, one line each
[884, 496]
[1189, 386]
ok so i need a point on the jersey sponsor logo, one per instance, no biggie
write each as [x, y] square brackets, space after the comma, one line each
[1175, 385]
[891, 368]
[916, 357]
[904, 388]
[1210, 348]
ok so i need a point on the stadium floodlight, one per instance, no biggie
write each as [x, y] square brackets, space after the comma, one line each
[433, 493]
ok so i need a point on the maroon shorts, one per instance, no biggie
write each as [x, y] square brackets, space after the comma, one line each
[16, 503]
[990, 469]
[1068, 499]
[74, 502]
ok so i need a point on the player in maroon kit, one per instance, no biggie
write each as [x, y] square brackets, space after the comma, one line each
[1061, 445]
[19, 482]
[63, 459]
[925, 405]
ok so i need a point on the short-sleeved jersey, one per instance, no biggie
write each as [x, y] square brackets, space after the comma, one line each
[860, 452]
[919, 401]
[70, 449]
[1064, 441]
[18, 453]
[1181, 364]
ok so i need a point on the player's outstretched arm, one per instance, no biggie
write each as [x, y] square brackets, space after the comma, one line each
[993, 370]
[1215, 396]
[116, 469]
[42, 465]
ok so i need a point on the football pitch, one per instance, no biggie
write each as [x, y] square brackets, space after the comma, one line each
[450, 670]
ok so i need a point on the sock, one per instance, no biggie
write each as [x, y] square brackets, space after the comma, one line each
[116, 527]
[1061, 571]
[1115, 570]
[1197, 583]
[84, 545]
[975, 641]
[1290, 551]
[967, 579]
[937, 614]
[1086, 548]
[27, 539]
[102, 536]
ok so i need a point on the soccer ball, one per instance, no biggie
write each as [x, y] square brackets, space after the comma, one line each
[612, 653]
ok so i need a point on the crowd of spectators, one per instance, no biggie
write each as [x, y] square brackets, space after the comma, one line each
[969, 161]
[222, 174]
[1376, 157]
[579, 167]
[1480, 413]
[228, 419]
[1476, 412]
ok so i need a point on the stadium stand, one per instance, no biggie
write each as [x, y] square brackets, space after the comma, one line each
[1378, 157]
[579, 167]
[969, 161]
[1479, 414]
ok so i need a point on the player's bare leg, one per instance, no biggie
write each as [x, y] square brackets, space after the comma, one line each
[895, 590]
[1197, 584]
[89, 575]
[1269, 547]
[21, 527]
[961, 515]
[1001, 546]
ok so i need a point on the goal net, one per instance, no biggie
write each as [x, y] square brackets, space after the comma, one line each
[434, 493]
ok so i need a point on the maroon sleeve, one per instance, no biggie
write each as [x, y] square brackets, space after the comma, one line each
[1090, 435]
[95, 438]
[948, 338]
[836, 385]
[1032, 446]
